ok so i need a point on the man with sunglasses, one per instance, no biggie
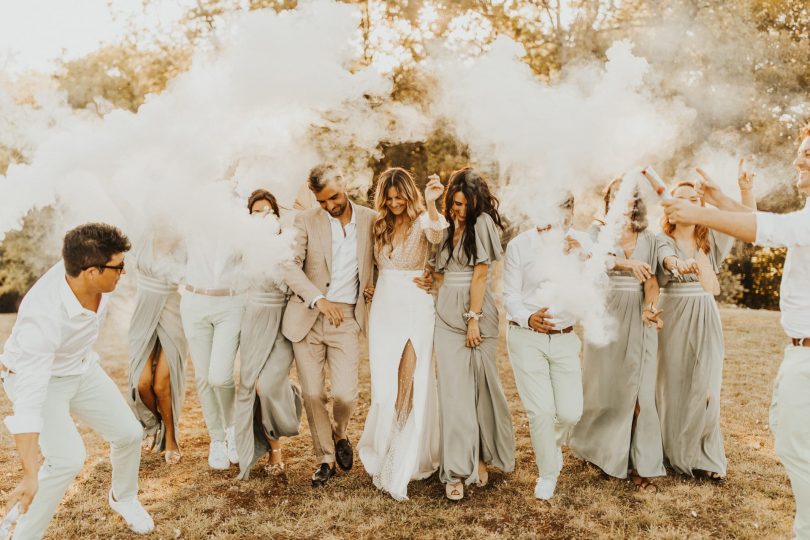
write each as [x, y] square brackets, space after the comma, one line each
[51, 375]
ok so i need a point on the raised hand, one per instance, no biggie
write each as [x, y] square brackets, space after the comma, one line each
[433, 189]
[745, 179]
[708, 189]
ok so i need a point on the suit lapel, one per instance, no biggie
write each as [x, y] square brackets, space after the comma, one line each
[363, 232]
[325, 230]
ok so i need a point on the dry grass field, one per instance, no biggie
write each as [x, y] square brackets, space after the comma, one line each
[191, 501]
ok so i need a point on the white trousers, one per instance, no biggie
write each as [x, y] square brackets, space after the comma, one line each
[93, 399]
[548, 375]
[790, 423]
[212, 325]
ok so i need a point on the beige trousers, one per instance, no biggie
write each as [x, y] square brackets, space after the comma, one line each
[93, 399]
[339, 348]
[548, 375]
[790, 423]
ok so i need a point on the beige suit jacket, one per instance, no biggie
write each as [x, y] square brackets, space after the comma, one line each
[309, 274]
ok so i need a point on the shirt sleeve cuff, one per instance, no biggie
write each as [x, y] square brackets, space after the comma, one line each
[315, 301]
[24, 423]
[764, 229]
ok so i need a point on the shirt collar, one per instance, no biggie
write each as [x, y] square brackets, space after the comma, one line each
[72, 305]
[354, 215]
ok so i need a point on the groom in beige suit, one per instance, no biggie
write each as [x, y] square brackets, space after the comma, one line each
[333, 265]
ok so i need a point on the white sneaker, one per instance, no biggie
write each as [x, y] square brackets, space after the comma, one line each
[137, 518]
[544, 490]
[218, 456]
[230, 436]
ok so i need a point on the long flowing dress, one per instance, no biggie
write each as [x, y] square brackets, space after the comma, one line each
[690, 363]
[474, 416]
[619, 375]
[396, 449]
[156, 325]
[266, 357]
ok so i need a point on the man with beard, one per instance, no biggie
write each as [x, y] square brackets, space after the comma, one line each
[324, 317]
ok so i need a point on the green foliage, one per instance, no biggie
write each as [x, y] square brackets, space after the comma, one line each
[758, 271]
[23, 255]
[122, 75]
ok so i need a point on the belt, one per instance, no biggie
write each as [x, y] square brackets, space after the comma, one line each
[801, 342]
[566, 330]
[210, 292]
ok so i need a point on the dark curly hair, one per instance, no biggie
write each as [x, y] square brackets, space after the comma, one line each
[92, 244]
[480, 200]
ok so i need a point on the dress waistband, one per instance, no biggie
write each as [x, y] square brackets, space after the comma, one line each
[457, 279]
[625, 283]
[269, 299]
[156, 285]
[402, 274]
[692, 288]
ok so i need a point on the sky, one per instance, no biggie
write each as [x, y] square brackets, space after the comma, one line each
[35, 33]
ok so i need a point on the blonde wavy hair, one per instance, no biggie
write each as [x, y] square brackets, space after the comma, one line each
[398, 178]
[701, 231]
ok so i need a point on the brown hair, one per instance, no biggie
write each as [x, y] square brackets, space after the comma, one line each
[805, 132]
[398, 178]
[321, 175]
[638, 217]
[263, 195]
[701, 231]
[92, 244]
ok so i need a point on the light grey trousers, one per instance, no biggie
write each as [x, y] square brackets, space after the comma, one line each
[93, 399]
[548, 376]
[790, 423]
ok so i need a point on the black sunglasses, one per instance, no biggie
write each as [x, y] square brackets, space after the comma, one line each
[118, 267]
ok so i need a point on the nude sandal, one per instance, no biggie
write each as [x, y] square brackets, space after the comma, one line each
[172, 457]
[276, 469]
[454, 491]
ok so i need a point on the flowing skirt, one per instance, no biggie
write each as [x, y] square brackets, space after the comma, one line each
[616, 377]
[475, 420]
[266, 357]
[156, 320]
[690, 358]
[396, 450]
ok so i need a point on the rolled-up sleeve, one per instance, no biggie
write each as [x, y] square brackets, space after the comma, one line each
[37, 339]
[781, 230]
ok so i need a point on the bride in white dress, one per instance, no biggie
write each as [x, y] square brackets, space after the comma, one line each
[400, 439]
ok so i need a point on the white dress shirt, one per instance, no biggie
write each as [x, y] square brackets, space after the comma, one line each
[537, 272]
[52, 337]
[212, 262]
[344, 282]
[791, 231]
